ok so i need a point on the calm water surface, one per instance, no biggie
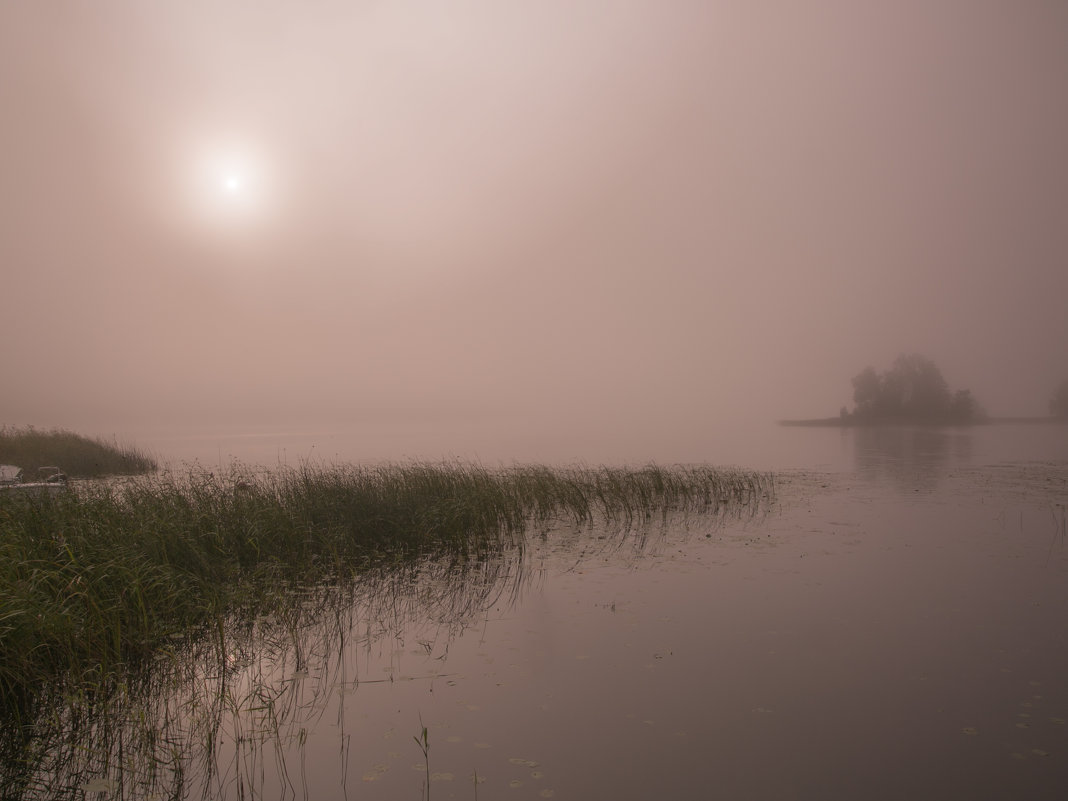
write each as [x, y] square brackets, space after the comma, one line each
[892, 628]
[758, 446]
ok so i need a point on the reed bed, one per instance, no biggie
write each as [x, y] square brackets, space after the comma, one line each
[112, 593]
[111, 574]
[74, 454]
[164, 732]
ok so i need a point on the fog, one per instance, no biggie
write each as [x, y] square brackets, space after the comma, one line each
[595, 229]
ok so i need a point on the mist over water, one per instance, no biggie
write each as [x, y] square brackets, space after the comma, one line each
[538, 231]
[575, 232]
[759, 446]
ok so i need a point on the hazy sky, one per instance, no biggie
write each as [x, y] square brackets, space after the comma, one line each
[598, 219]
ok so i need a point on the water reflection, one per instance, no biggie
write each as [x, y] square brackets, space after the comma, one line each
[846, 645]
[280, 699]
[912, 458]
[219, 713]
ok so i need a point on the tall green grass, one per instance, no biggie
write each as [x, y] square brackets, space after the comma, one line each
[180, 728]
[106, 589]
[103, 577]
[75, 455]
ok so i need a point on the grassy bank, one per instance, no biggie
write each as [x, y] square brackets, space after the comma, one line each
[75, 455]
[107, 575]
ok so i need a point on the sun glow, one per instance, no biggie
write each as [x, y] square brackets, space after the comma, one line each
[230, 185]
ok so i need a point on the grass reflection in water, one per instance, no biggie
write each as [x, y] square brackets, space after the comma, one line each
[153, 630]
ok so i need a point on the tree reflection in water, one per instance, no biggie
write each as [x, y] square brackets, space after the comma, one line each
[912, 457]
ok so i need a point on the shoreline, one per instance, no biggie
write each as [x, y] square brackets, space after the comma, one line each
[850, 422]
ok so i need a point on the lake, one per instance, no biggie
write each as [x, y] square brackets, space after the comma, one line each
[760, 446]
[891, 627]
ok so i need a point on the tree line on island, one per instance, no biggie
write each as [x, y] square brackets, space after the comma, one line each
[914, 390]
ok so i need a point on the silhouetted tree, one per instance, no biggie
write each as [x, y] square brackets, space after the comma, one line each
[867, 392]
[913, 389]
[1058, 404]
[964, 407]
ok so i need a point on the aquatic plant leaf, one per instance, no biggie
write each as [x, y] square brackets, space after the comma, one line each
[375, 773]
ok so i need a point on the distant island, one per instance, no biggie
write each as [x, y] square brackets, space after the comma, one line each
[912, 391]
[850, 422]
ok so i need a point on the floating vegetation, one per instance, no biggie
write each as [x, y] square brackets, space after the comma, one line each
[136, 616]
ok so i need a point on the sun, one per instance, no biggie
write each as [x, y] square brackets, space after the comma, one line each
[235, 176]
[230, 183]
